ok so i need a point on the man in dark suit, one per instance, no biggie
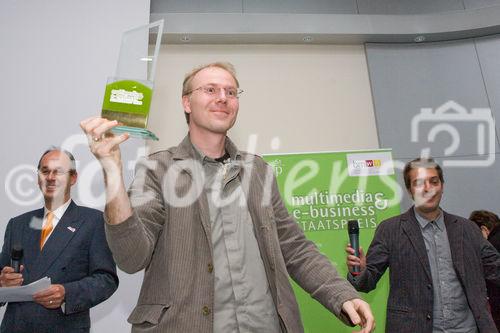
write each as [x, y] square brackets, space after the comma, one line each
[437, 262]
[64, 242]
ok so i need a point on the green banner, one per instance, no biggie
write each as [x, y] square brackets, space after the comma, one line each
[325, 190]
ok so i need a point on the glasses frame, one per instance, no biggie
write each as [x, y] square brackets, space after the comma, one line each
[55, 172]
[205, 87]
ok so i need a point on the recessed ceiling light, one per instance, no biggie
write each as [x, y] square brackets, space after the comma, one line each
[419, 39]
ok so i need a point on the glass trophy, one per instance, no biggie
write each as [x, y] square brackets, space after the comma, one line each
[128, 94]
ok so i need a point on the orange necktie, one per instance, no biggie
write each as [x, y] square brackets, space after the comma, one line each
[46, 229]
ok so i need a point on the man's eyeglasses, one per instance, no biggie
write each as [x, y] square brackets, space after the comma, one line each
[215, 91]
[55, 172]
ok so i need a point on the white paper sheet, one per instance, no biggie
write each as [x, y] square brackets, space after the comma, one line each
[23, 293]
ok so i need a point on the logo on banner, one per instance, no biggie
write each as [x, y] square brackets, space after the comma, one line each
[369, 164]
[277, 166]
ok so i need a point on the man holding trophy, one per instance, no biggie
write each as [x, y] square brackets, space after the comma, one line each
[207, 224]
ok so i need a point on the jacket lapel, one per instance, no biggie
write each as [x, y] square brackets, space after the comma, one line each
[185, 160]
[454, 231]
[204, 216]
[57, 241]
[410, 226]
[31, 242]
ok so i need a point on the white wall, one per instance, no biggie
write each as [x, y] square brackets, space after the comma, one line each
[309, 97]
[54, 60]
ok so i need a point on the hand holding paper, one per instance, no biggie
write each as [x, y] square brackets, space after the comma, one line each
[52, 297]
[23, 293]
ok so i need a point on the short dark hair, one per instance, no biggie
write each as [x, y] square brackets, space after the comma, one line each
[484, 217]
[72, 161]
[421, 162]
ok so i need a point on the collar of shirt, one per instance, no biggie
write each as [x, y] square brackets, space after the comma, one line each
[423, 222]
[58, 213]
[230, 148]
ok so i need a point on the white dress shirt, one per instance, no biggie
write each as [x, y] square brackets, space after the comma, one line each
[58, 214]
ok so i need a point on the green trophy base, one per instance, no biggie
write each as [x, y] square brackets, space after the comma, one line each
[135, 132]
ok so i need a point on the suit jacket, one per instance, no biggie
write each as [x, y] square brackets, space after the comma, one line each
[76, 255]
[398, 244]
[171, 239]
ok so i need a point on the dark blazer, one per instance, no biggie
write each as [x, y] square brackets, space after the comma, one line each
[398, 244]
[76, 255]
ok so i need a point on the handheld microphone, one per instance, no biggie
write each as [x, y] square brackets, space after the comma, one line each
[353, 230]
[15, 258]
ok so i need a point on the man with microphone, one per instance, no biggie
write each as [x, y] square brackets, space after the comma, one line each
[438, 262]
[64, 242]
